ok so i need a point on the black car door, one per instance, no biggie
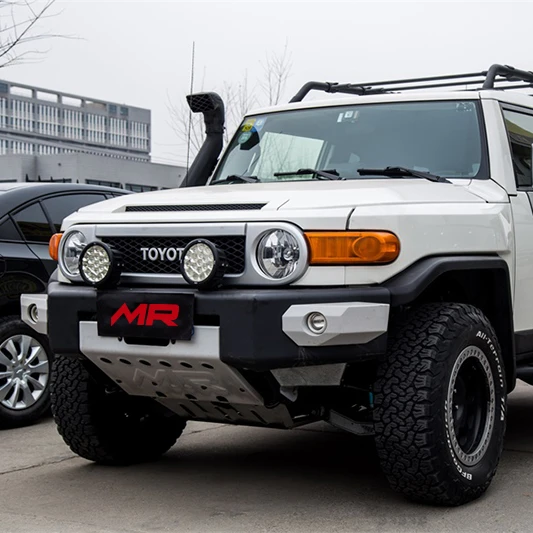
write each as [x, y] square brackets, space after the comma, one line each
[35, 228]
[20, 270]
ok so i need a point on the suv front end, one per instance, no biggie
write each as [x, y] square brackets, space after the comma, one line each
[277, 295]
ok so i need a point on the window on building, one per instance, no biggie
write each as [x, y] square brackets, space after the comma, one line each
[112, 109]
[124, 111]
[104, 183]
[33, 223]
[8, 230]
[140, 188]
[60, 207]
[520, 131]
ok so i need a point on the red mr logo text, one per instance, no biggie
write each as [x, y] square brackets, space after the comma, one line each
[147, 314]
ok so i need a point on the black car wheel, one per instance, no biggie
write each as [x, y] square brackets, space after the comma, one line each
[25, 363]
[105, 425]
[440, 404]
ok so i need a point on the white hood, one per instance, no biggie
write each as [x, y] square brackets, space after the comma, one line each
[333, 200]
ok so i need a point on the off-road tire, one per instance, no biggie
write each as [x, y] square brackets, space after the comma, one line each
[105, 425]
[413, 437]
[9, 326]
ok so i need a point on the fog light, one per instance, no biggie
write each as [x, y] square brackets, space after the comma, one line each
[203, 264]
[317, 323]
[98, 265]
[33, 313]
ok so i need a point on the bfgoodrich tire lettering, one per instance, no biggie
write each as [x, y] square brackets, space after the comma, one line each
[418, 417]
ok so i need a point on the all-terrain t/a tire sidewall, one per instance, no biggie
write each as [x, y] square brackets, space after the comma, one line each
[10, 326]
[414, 393]
[483, 338]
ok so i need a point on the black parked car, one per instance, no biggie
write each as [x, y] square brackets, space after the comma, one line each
[29, 214]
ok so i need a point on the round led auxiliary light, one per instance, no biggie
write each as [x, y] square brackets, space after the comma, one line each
[203, 265]
[99, 265]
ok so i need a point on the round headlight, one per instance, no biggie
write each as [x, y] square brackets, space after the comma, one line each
[98, 266]
[73, 245]
[278, 254]
[202, 264]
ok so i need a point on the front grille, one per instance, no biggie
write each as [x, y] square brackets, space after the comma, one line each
[130, 248]
[209, 207]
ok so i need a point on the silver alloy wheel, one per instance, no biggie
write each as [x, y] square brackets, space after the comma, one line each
[476, 412]
[24, 372]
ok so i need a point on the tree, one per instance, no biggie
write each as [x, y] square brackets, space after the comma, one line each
[239, 98]
[20, 29]
[276, 71]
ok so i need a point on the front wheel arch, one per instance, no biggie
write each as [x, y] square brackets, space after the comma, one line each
[481, 281]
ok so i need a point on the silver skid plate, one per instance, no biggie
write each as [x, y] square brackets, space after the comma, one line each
[186, 376]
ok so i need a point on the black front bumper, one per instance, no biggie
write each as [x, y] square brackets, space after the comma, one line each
[250, 321]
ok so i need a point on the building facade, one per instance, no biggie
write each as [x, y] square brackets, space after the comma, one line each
[54, 136]
[36, 121]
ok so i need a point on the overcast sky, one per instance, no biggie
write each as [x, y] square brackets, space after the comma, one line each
[139, 52]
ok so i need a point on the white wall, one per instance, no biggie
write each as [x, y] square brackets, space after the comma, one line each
[81, 167]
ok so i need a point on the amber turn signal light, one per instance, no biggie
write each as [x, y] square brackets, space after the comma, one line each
[53, 246]
[352, 247]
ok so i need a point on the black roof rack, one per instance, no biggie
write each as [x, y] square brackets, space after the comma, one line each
[497, 77]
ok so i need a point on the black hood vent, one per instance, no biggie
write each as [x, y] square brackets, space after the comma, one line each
[210, 207]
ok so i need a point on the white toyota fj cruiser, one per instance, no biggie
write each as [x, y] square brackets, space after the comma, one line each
[366, 261]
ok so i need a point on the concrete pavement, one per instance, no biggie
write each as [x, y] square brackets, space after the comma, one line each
[229, 479]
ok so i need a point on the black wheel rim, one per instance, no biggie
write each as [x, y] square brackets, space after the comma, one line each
[471, 405]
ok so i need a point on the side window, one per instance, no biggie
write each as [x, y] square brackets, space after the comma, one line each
[520, 130]
[33, 223]
[60, 207]
[8, 230]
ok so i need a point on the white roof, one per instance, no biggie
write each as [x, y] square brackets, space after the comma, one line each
[511, 97]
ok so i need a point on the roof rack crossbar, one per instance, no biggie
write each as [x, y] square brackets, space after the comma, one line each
[435, 85]
[424, 79]
[497, 74]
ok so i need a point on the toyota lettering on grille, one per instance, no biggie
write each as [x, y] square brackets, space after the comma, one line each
[161, 254]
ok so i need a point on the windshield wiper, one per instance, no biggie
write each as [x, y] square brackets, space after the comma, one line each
[324, 174]
[400, 172]
[236, 179]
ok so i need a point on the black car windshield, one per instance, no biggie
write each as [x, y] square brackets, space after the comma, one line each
[437, 137]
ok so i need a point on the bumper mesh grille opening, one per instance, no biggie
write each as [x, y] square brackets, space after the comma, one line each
[130, 248]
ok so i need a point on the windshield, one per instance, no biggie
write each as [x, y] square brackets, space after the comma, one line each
[438, 137]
